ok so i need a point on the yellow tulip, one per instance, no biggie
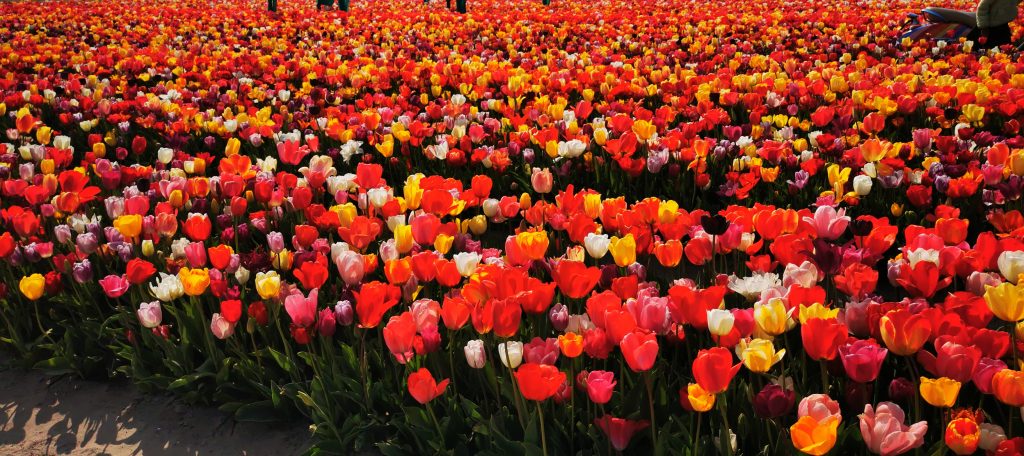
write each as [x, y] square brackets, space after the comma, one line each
[813, 437]
[759, 355]
[386, 147]
[817, 310]
[130, 226]
[33, 286]
[403, 238]
[1006, 301]
[772, 318]
[443, 243]
[43, 135]
[194, 281]
[700, 400]
[268, 284]
[478, 224]
[941, 392]
[623, 250]
[232, 148]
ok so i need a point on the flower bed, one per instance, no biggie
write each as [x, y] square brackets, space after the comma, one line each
[590, 227]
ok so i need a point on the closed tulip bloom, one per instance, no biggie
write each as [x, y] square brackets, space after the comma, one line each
[759, 355]
[720, 322]
[774, 401]
[884, 432]
[511, 353]
[904, 332]
[822, 338]
[963, 434]
[150, 314]
[32, 286]
[571, 344]
[538, 382]
[533, 244]
[302, 309]
[221, 327]
[940, 392]
[476, 355]
[423, 387]
[862, 360]
[814, 437]
[1011, 265]
[596, 245]
[623, 250]
[699, 399]
[640, 350]
[820, 407]
[600, 386]
[1008, 387]
[713, 369]
[466, 262]
[992, 435]
[194, 281]
[1006, 301]
[268, 284]
[772, 318]
[541, 351]
[541, 180]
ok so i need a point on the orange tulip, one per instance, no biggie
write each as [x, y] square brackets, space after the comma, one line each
[571, 344]
[533, 244]
[813, 437]
[1008, 387]
[669, 253]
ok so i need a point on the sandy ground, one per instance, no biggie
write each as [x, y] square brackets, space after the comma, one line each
[78, 417]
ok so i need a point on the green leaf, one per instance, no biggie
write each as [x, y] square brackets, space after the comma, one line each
[259, 412]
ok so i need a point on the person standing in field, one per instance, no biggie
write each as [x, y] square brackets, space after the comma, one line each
[994, 18]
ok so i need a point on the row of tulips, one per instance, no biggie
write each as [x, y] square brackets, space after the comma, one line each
[662, 243]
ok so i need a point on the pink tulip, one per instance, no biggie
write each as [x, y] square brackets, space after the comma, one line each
[221, 327]
[862, 359]
[351, 266]
[987, 368]
[114, 285]
[650, 313]
[150, 314]
[326, 324]
[829, 222]
[884, 432]
[600, 386]
[301, 309]
[195, 253]
[541, 351]
[820, 407]
[542, 180]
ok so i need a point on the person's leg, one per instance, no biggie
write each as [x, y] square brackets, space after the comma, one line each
[999, 35]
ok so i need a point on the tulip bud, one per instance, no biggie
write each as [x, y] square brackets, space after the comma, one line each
[862, 185]
[476, 356]
[148, 249]
[559, 316]
[150, 314]
[991, 436]
[901, 389]
[720, 322]
[511, 354]
[343, 313]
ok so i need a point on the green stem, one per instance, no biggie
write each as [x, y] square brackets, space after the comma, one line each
[650, 404]
[543, 438]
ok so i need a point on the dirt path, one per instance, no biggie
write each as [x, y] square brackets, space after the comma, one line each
[113, 418]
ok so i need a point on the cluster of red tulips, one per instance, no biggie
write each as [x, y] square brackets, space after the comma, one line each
[671, 227]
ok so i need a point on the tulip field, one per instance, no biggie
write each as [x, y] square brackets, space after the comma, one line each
[669, 227]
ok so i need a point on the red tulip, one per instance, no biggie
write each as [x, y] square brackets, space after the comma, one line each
[231, 310]
[575, 279]
[904, 332]
[600, 386]
[197, 227]
[713, 369]
[538, 382]
[955, 361]
[139, 271]
[400, 336]
[619, 430]
[640, 350]
[373, 300]
[423, 387]
[822, 338]
[312, 274]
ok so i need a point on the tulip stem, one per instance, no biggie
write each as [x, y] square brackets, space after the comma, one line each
[824, 377]
[725, 438]
[650, 403]
[696, 433]
[437, 425]
[543, 438]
